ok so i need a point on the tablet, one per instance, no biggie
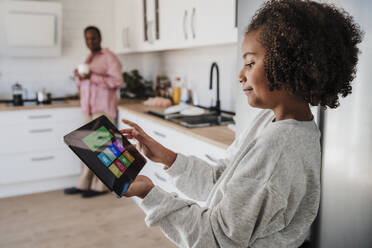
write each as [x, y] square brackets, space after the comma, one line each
[111, 157]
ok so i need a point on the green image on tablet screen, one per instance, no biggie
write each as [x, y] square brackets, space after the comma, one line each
[97, 139]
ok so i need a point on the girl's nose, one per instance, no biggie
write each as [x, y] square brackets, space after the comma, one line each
[241, 77]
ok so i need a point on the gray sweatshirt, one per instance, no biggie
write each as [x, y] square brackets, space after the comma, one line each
[264, 194]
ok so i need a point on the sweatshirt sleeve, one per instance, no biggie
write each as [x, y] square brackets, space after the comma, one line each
[113, 78]
[231, 223]
[191, 170]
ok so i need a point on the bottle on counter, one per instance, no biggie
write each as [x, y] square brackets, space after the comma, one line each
[176, 90]
[181, 91]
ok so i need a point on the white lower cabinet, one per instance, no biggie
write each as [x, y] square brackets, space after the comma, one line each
[33, 155]
[177, 142]
[38, 165]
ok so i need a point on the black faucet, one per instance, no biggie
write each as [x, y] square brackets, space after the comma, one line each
[218, 105]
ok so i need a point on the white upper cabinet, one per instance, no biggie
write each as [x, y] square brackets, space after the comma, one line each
[128, 25]
[177, 19]
[156, 25]
[214, 22]
[30, 28]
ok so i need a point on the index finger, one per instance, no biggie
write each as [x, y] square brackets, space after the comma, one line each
[132, 124]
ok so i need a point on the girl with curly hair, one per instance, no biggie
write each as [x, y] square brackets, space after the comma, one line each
[266, 192]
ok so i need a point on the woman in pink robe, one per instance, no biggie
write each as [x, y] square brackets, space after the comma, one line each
[98, 96]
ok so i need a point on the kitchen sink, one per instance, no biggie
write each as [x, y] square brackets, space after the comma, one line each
[202, 120]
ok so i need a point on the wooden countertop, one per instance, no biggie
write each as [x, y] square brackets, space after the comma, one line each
[66, 104]
[220, 136]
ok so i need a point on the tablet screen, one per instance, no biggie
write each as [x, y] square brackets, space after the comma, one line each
[111, 157]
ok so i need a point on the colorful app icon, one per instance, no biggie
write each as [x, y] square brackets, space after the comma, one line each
[115, 171]
[109, 154]
[120, 165]
[97, 139]
[114, 150]
[128, 156]
[124, 160]
[119, 146]
[104, 159]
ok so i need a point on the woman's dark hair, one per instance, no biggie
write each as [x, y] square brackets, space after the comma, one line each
[311, 49]
[92, 28]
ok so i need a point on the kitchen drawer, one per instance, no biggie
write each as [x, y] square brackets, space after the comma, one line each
[158, 132]
[33, 166]
[24, 138]
[29, 117]
[182, 143]
[164, 135]
[125, 115]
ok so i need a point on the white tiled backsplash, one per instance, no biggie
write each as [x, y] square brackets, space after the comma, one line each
[53, 74]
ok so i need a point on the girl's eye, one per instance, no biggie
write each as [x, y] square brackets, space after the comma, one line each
[249, 65]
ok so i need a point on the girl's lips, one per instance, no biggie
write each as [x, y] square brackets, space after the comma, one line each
[247, 91]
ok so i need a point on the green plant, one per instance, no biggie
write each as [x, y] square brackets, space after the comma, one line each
[136, 85]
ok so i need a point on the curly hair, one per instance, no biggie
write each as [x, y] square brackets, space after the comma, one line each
[311, 49]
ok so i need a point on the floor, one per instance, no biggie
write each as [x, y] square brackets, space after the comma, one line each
[53, 219]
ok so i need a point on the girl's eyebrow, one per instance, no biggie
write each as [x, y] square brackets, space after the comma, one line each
[248, 53]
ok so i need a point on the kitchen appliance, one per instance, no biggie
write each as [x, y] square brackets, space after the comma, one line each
[345, 215]
[43, 98]
[192, 116]
[17, 93]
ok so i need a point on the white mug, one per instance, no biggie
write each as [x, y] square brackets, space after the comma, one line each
[83, 69]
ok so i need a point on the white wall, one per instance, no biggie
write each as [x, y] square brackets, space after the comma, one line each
[54, 73]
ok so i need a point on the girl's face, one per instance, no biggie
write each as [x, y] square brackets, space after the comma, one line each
[252, 76]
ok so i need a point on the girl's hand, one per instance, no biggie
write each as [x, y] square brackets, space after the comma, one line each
[141, 186]
[148, 146]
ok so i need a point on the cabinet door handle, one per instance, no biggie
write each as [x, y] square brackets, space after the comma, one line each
[185, 24]
[122, 37]
[160, 177]
[150, 32]
[44, 130]
[236, 13]
[128, 35]
[211, 158]
[36, 159]
[160, 134]
[39, 116]
[193, 23]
